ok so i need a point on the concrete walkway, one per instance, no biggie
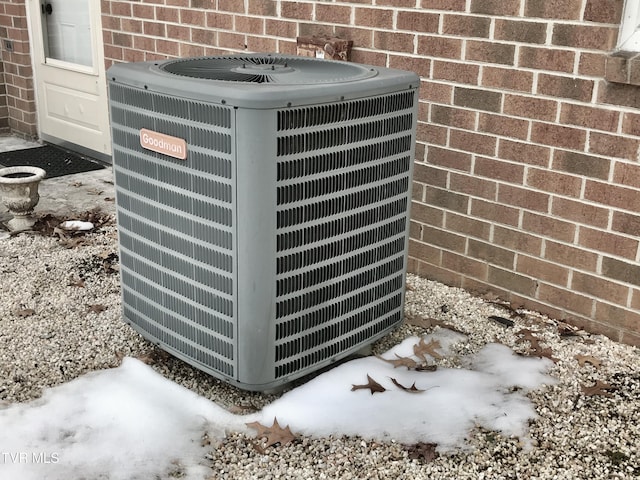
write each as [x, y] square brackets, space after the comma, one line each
[64, 196]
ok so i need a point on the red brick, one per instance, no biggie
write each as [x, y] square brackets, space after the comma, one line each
[436, 92]
[444, 239]
[417, 21]
[586, 37]
[261, 44]
[253, 25]
[122, 39]
[580, 212]
[558, 136]
[499, 170]
[564, 298]
[429, 175]
[144, 43]
[456, 72]
[462, 263]
[549, 227]
[450, 5]
[517, 240]
[618, 94]
[612, 243]
[626, 223]
[431, 134]
[466, 26]
[554, 182]
[613, 195]
[454, 117]
[519, 31]
[143, 11]
[599, 288]
[591, 64]
[189, 50]
[477, 99]
[631, 123]
[231, 6]
[421, 66]
[331, 13]
[424, 252]
[154, 29]
[542, 270]
[392, 3]
[512, 281]
[589, 117]
[503, 126]
[296, 10]
[546, 59]
[490, 253]
[467, 225]
[501, 214]
[397, 42]
[446, 199]
[621, 270]
[204, 36]
[581, 164]
[178, 32]
[121, 9]
[603, 11]
[622, 318]
[449, 158]
[361, 37]
[192, 17]
[168, 47]
[496, 7]
[565, 87]
[627, 174]
[267, 8]
[522, 197]
[554, 9]
[280, 28]
[614, 146]
[426, 214]
[439, 46]
[472, 142]
[507, 79]
[231, 40]
[473, 186]
[489, 52]
[524, 152]
[165, 14]
[374, 17]
[530, 107]
[571, 256]
[220, 20]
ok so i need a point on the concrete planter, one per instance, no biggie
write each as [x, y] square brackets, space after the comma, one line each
[19, 193]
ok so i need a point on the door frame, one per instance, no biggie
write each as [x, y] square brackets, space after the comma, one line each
[36, 41]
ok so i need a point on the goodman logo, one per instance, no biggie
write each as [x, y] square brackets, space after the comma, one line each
[161, 143]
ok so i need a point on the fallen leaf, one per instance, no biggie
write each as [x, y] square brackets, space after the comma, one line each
[407, 286]
[94, 191]
[426, 323]
[535, 349]
[583, 359]
[425, 451]
[272, 435]
[242, 409]
[411, 389]
[371, 385]
[27, 312]
[75, 283]
[429, 348]
[72, 242]
[600, 388]
[76, 184]
[400, 362]
[96, 308]
[109, 199]
[426, 368]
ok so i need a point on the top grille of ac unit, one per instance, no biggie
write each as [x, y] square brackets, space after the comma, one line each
[278, 245]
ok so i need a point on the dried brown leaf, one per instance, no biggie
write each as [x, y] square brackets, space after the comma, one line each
[272, 435]
[400, 362]
[76, 282]
[430, 348]
[584, 359]
[411, 389]
[422, 451]
[600, 388]
[96, 308]
[371, 385]
[26, 312]
[424, 322]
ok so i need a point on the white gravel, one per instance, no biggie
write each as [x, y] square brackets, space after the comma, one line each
[60, 318]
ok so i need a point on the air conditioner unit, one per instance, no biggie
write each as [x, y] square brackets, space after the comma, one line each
[262, 206]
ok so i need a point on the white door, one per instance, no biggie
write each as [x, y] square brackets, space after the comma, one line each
[69, 74]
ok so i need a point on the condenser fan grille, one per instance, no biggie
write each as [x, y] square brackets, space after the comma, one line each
[268, 69]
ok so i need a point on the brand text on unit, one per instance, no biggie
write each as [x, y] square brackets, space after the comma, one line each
[161, 143]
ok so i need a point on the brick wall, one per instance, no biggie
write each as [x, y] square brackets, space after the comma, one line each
[527, 182]
[18, 73]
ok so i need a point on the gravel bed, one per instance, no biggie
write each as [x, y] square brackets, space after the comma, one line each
[60, 318]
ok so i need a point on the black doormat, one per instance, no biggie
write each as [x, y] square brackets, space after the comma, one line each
[56, 161]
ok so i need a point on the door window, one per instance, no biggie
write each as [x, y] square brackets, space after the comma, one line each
[67, 31]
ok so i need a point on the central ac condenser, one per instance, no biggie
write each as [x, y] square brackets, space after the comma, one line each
[263, 208]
